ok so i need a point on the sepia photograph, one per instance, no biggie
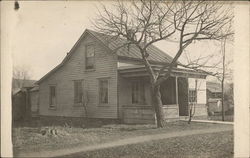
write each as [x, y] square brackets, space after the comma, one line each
[122, 79]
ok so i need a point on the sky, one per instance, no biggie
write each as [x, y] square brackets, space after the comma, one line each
[41, 33]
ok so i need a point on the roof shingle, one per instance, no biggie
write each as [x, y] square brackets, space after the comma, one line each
[155, 54]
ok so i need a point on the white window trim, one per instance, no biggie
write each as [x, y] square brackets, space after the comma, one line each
[53, 107]
[80, 103]
[99, 88]
[94, 66]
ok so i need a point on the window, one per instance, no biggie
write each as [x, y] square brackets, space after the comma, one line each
[192, 96]
[138, 94]
[103, 91]
[90, 54]
[52, 98]
[78, 91]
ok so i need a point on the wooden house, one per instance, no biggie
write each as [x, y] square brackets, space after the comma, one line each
[96, 80]
[22, 98]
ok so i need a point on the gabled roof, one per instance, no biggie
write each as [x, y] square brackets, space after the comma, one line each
[36, 88]
[155, 54]
[111, 43]
[16, 90]
[19, 85]
[24, 83]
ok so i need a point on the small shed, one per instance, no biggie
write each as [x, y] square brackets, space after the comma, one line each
[24, 100]
[18, 104]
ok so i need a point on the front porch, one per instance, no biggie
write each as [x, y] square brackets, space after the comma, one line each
[145, 114]
[134, 97]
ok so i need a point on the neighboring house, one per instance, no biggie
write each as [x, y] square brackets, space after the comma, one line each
[17, 84]
[22, 98]
[214, 89]
[18, 104]
[115, 85]
[214, 94]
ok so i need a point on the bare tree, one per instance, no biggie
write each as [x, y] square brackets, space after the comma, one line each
[21, 74]
[85, 99]
[219, 69]
[223, 78]
[144, 23]
[223, 75]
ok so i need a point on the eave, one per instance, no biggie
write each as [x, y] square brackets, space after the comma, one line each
[140, 71]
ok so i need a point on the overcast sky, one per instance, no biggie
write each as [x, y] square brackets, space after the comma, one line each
[42, 33]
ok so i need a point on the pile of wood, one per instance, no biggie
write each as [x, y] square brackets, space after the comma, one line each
[49, 131]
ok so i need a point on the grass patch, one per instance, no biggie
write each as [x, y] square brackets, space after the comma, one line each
[229, 118]
[30, 139]
[214, 145]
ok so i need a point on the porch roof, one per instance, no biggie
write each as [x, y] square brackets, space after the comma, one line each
[140, 71]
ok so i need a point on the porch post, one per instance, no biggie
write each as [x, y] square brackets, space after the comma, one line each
[176, 93]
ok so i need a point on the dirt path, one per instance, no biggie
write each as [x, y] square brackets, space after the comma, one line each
[121, 142]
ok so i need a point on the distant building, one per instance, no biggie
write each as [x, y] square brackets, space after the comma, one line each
[214, 94]
[23, 96]
[214, 90]
[18, 84]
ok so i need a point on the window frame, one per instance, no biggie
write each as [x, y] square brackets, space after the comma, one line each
[192, 98]
[141, 93]
[99, 90]
[86, 56]
[81, 81]
[52, 106]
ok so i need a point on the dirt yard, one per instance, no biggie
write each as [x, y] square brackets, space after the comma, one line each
[51, 138]
[212, 145]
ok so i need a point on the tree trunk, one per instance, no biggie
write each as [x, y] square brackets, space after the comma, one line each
[157, 103]
[192, 109]
[222, 81]
[222, 101]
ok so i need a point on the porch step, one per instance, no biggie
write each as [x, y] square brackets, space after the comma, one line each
[183, 117]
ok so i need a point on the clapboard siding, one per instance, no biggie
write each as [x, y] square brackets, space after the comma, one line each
[146, 114]
[200, 108]
[74, 69]
[34, 101]
[201, 89]
[138, 115]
